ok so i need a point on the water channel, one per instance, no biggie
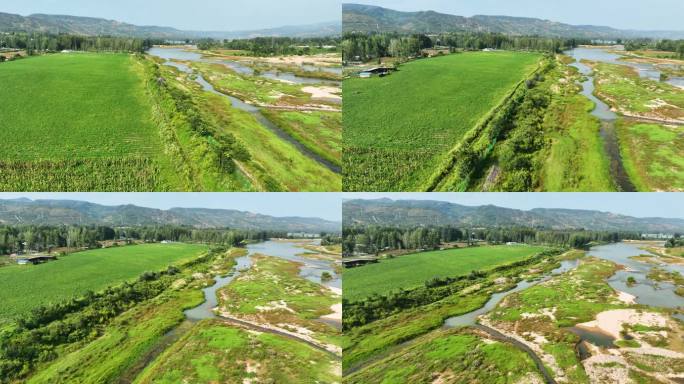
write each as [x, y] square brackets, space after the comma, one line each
[170, 54]
[470, 318]
[604, 113]
[310, 269]
[646, 291]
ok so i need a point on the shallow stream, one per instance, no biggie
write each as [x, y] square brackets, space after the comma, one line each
[310, 269]
[170, 54]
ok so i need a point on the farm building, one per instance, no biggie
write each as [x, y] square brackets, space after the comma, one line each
[35, 260]
[378, 71]
[352, 263]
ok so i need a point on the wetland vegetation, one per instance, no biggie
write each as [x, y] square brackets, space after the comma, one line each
[568, 307]
[569, 114]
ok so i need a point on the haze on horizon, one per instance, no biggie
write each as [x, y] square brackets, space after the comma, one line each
[326, 206]
[198, 15]
[638, 15]
[665, 205]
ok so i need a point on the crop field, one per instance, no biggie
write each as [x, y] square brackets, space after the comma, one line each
[214, 352]
[653, 155]
[27, 286]
[85, 113]
[413, 270]
[398, 128]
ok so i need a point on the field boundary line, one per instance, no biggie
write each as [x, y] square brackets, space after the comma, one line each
[442, 172]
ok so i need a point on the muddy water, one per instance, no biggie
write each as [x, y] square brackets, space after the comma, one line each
[470, 318]
[604, 113]
[647, 291]
[170, 54]
[612, 148]
[310, 270]
[588, 336]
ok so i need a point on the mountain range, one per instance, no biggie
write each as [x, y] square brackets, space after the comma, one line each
[410, 213]
[58, 212]
[369, 18]
[90, 26]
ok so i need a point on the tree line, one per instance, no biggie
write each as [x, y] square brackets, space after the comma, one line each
[43, 238]
[274, 46]
[366, 47]
[375, 239]
[38, 42]
[674, 46]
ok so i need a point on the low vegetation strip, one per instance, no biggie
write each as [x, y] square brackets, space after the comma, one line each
[443, 97]
[410, 271]
[25, 287]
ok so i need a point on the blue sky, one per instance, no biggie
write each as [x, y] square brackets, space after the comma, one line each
[623, 14]
[202, 15]
[669, 205]
[324, 205]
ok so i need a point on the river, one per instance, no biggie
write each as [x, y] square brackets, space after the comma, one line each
[604, 113]
[647, 291]
[310, 269]
[170, 54]
[470, 318]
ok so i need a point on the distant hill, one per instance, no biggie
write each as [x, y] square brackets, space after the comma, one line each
[424, 212]
[57, 212]
[90, 26]
[368, 18]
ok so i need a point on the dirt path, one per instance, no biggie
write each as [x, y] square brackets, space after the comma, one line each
[548, 378]
[259, 328]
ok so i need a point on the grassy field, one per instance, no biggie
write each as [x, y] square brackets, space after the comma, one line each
[398, 128]
[621, 87]
[289, 299]
[107, 358]
[573, 298]
[68, 119]
[276, 165]
[653, 155]
[575, 160]
[25, 287]
[452, 356]
[321, 132]
[376, 338]
[214, 352]
[413, 270]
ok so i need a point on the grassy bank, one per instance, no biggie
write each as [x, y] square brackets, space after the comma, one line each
[216, 352]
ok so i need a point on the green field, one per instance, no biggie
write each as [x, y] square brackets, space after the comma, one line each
[214, 352]
[69, 115]
[653, 155]
[398, 128]
[23, 287]
[453, 356]
[321, 132]
[409, 271]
